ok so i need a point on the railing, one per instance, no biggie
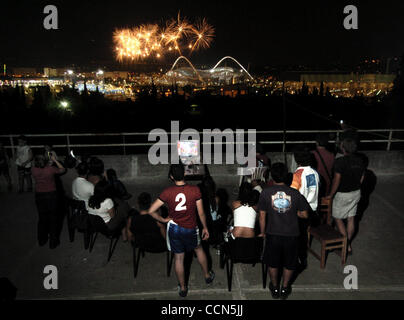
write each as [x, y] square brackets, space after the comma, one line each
[380, 136]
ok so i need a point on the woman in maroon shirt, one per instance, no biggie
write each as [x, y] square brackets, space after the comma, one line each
[46, 199]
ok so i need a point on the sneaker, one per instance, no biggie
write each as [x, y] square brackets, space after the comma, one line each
[285, 292]
[211, 277]
[182, 293]
[274, 290]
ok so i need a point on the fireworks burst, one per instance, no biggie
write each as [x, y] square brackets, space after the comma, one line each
[153, 41]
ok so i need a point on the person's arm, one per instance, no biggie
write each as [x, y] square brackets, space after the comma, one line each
[335, 184]
[162, 229]
[153, 211]
[262, 219]
[303, 214]
[111, 212]
[202, 217]
[58, 164]
[128, 232]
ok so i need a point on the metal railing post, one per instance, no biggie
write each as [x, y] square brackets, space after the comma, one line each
[12, 145]
[124, 145]
[390, 139]
[68, 143]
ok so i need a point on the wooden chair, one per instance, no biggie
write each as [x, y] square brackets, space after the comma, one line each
[329, 238]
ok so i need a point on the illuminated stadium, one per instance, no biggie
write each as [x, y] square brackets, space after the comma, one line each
[188, 74]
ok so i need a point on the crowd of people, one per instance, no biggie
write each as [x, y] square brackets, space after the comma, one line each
[276, 207]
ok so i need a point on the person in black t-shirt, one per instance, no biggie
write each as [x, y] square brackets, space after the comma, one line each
[279, 207]
[345, 191]
[140, 223]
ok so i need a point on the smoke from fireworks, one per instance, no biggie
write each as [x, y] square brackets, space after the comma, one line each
[153, 41]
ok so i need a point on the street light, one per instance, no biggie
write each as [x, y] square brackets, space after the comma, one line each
[64, 104]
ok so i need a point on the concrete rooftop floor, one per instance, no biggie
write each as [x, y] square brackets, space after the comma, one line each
[378, 256]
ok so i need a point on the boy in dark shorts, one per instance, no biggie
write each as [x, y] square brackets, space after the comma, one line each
[183, 201]
[279, 207]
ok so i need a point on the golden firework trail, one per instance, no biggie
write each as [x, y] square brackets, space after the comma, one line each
[153, 41]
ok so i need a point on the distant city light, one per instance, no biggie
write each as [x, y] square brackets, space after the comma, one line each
[70, 72]
[100, 73]
[64, 104]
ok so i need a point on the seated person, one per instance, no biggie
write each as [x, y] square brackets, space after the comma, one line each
[82, 189]
[101, 204]
[95, 170]
[224, 212]
[118, 187]
[142, 223]
[245, 215]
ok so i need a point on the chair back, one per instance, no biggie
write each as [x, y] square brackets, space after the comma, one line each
[150, 242]
[97, 224]
[325, 207]
[246, 250]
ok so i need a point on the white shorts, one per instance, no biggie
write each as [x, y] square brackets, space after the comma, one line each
[345, 204]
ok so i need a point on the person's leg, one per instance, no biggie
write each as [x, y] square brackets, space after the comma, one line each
[341, 226]
[303, 243]
[287, 275]
[6, 174]
[351, 231]
[20, 179]
[273, 276]
[43, 220]
[179, 269]
[53, 220]
[203, 261]
[29, 179]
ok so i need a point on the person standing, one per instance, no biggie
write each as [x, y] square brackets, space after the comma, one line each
[325, 163]
[4, 170]
[345, 192]
[46, 199]
[183, 201]
[23, 161]
[279, 207]
[306, 180]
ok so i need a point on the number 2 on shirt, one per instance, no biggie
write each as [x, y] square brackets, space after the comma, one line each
[182, 199]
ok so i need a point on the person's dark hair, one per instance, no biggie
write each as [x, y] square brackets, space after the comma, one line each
[144, 201]
[70, 162]
[22, 137]
[223, 196]
[259, 148]
[303, 157]
[111, 174]
[177, 171]
[244, 193]
[95, 166]
[209, 190]
[101, 192]
[39, 161]
[82, 169]
[322, 139]
[279, 172]
[349, 145]
[254, 198]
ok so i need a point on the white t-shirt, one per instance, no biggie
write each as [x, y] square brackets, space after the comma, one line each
[82, 189]
[306, 180]
[103, 210]
[23, 156]
[244, 216]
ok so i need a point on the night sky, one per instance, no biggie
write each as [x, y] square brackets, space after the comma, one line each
[257, 32]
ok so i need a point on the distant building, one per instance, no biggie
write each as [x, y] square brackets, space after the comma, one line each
[116, 74]
[25, 72]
